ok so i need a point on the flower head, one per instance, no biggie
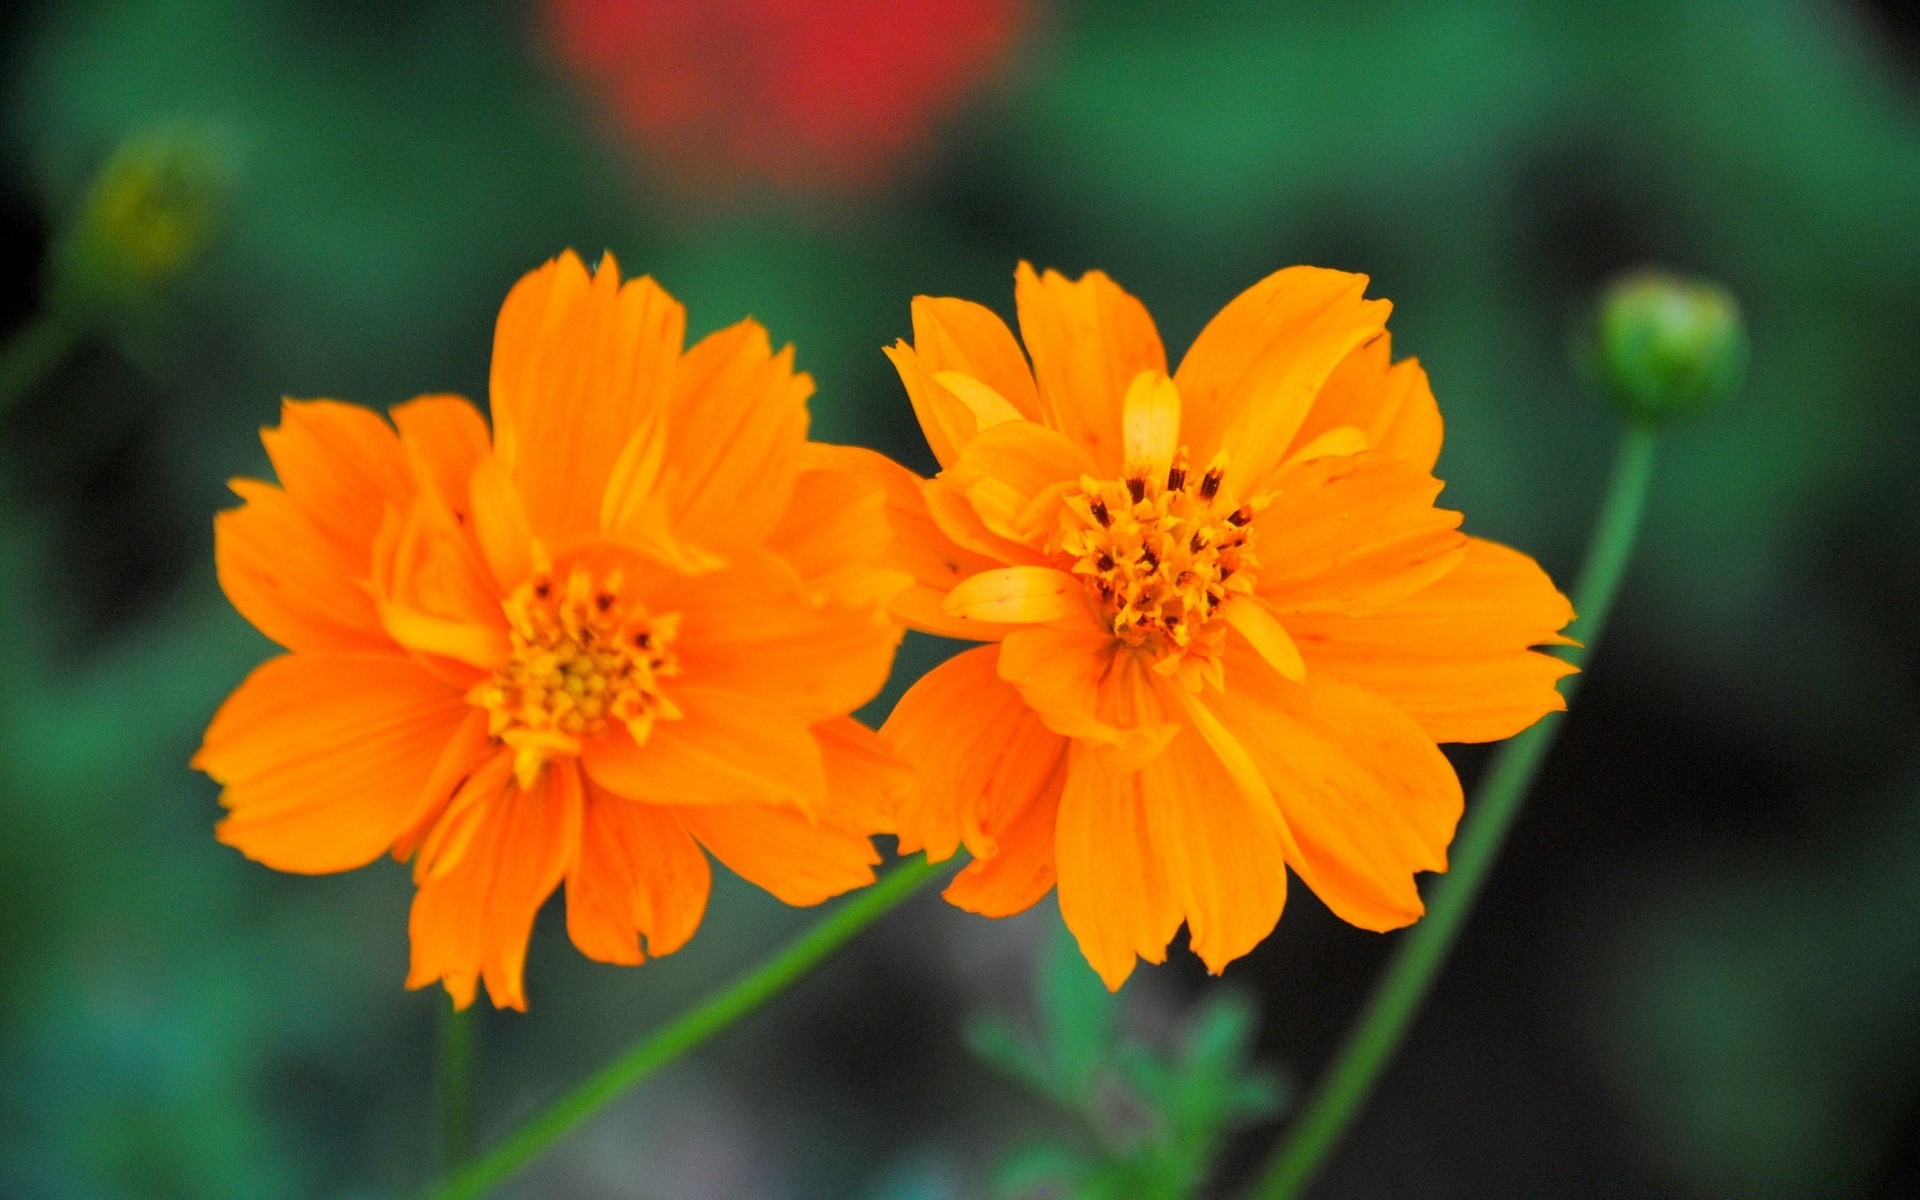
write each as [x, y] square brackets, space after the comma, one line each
[624, 624]
[148, 216]
[814, 94]
[1665, 347]
[1226, 624]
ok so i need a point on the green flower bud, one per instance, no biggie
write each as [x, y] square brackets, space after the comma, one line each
[1664, 346]
[146, 218]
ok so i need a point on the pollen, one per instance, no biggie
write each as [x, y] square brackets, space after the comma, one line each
[1161, 555]
[583, 657]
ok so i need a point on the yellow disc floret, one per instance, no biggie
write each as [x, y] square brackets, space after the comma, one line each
[1161, 556]
[582, 657]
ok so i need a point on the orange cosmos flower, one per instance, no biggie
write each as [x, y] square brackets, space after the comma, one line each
[627, 624]
[1226, 623]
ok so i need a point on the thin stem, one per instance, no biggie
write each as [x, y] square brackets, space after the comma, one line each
[689, 1030]
[458, 1028]
[31, 353]
[1397, 997]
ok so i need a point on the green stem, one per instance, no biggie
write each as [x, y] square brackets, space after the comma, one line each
[1397, 998]
[457, 1035]
[31, 353]
[689, 1030]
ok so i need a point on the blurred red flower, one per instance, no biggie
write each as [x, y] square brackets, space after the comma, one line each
[821, 94]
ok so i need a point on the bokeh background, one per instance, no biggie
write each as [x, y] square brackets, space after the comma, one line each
[1696, 972]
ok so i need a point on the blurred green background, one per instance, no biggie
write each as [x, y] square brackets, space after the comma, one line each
[1697, 970]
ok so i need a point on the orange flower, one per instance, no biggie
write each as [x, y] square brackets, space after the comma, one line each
[1226, 623]
[627, 625]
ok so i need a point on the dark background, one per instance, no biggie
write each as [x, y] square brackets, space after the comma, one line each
[1696, 973]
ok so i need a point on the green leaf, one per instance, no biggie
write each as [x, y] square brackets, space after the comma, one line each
[999, 1045]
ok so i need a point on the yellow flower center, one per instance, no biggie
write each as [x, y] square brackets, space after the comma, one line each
[582, 657]
[1161, 557]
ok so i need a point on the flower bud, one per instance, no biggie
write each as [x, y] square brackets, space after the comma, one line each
[1664, 346]
[145, 219]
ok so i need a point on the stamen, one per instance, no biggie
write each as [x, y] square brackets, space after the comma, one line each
[579, 661]
[1158, 562]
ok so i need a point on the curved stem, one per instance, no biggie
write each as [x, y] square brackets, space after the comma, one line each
[689, 1030]
[457, 1030]
[30, 354]
[1397, 997]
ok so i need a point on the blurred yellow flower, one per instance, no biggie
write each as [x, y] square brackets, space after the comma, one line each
[627, 623]
[1227, 624]
[146, 218]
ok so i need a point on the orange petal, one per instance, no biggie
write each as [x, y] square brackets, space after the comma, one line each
[470, 745]
[865, 779]
[434, 592]
[1367, 799]
[475, 920]
[835, 532]
[919, 607]
[979, 756]
[1353, 535]
[1016, 476]
[959, 335]
[919, 548]
[989, 407]
[446, 838]
[1088, 340]
[749, 630]
[1114, 892]
[580, 362]
[1390, 403]
[1150, 425]
[1218, 834]
[724, 749]
[445, 437]
[289, 578]
[798, 860]
[1017, 595]
[635, 508]
[1253, 372]
[1455, 656]
[326, 759]
[294, 559]
[945, 420]
[1021, 869]
[1069, 677]
[739, 429]
[1059, 672]
[639, 874]
[958, 519]
[1341, 442]
[342, 465]
[501, 528]
[1253, 620]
